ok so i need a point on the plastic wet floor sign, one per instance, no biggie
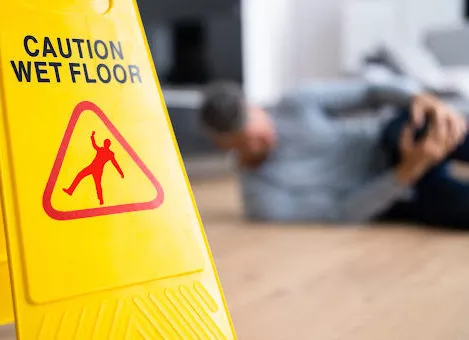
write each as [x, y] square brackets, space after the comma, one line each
[104, 238]
[6, 306]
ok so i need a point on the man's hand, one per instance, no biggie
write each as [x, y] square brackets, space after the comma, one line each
[447, 129]
[418, 157]
[429, 107]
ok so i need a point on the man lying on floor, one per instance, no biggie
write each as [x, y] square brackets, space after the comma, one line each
[309, 159]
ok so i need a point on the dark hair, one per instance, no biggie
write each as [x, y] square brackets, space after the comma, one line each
[223, 109]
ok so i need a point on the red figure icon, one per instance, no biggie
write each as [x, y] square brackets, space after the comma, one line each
[95, 169]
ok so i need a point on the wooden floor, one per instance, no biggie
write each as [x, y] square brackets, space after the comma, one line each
[312, 282]
[353, 283]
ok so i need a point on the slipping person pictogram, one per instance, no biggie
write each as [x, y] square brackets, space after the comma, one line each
[96, 168]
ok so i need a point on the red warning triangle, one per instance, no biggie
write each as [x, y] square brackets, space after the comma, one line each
[108, 156]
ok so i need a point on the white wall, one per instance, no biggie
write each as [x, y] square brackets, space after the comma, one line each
[316, 38]
[267, 47]
[357, 39]
[287, 41]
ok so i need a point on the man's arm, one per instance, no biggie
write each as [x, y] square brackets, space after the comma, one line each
[417, 157]
[373, 198]
[93, 141]
[343, 96]
[118, 168]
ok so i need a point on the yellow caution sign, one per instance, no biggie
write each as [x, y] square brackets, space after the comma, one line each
[105, 241]
[6, 306]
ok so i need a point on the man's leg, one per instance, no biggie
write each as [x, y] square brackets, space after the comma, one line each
[390, 143]
[462, 152]
[439, 198]
[392, 133]
[99, 189]
[79, 177]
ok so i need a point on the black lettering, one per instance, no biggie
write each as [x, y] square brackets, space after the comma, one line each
[48, 48]
[26, 46]
[79, 42]
[40, 72]
[90, 51]
[123, 79]
[105, 53]
[61, 50]
[21, 70]
[107, 78]
[85, 72]
[74, 72]
[56, 69]
[134, 72]
[116, 50]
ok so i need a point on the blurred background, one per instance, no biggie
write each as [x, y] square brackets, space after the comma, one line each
[270, 45]
[314, 282]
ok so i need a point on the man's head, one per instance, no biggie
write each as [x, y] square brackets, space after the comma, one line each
[107, 143]
[235, 125]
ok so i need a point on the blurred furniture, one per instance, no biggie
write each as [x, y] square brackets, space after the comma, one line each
[367, 25]
[201, 158]
[451, 48]
[194, 43]
[449, 45]
[431, 48]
